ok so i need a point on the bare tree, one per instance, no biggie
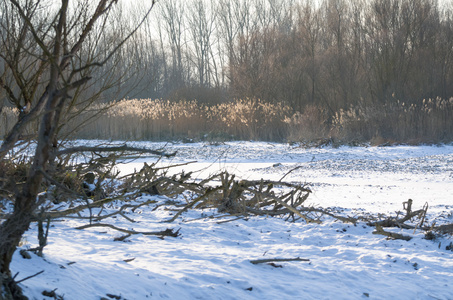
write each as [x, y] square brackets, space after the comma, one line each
[236, 21]
[173, 24]
[50, 52]
[202, 26]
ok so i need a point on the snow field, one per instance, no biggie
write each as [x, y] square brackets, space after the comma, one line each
[212, 261]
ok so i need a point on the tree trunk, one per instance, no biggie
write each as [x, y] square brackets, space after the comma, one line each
[9, 290]
[17, 224]
[11, 232]
[67, 70]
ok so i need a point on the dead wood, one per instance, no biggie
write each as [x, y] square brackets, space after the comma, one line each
[250, 197]
[231, 220]
[122, 238]
[77, 209]
[194, 202]
[400, 222]
[325, 212]
[290, 171]
[263, 261]
[445, 229]
[122, 148]
[291, 208]
[154, 181]
[391, 235]
[120, 212]
[166, 232]
[29, 277]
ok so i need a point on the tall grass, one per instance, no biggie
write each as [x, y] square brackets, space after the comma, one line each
[430, 121]
[309, 126]
[8, 117]
[146, 119]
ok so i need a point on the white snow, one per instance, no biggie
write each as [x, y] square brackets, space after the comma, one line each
[211, 260]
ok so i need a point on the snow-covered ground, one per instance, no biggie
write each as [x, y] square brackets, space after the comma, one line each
[211, 260]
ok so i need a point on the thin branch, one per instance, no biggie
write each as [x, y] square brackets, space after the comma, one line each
[391, 235]
[100, 10]
[73, 210]
[27, 20]
[261, 261]
[29, 277]
[122, 42]
[166, 232]
[281, 202]
[59, 185]
[10, 141]
[122, 148]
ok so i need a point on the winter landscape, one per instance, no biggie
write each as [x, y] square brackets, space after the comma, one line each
[214, 256]
[308, 149]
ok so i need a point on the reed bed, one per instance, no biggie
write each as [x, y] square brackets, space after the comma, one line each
[147, 119]
[8, 117]
[430, 121]
[397, 122]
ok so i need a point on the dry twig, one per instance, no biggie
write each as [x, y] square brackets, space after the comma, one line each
[166, 232]
[262, 261]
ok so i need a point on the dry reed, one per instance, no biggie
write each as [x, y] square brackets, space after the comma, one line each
[397, 122]
[8, 117]
[253, 119]
[146, 119]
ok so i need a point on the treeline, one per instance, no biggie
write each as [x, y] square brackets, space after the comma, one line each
[332, 53]
[355, 69]
[345, 53]
[375, 60]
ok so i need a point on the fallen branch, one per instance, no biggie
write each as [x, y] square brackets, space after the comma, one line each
[263, 261]
[324, 212]
[286, 205]
[122, 148]
[121, 211]
[445, 229]
[29, 277]
[289, 172]
[129, 259]
[192, 203]
[399, 222]
[231, 220]
[121, 238]
[392, 235]
[166, 232]
[73, 210]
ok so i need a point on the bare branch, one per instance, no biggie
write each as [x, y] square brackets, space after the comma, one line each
[11, 139]
[29, 277]
[261, 261]
[167, 232]
[120, 44]
[392, 235]
[122, 148]
[36, 37]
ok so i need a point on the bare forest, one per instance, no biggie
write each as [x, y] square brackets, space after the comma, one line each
[350, 70]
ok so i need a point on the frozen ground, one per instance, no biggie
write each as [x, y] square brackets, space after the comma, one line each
[212, 261]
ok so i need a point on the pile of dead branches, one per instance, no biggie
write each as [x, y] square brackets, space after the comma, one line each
[242, 198]
[95, 185]
[228, 195]
[409, 219]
